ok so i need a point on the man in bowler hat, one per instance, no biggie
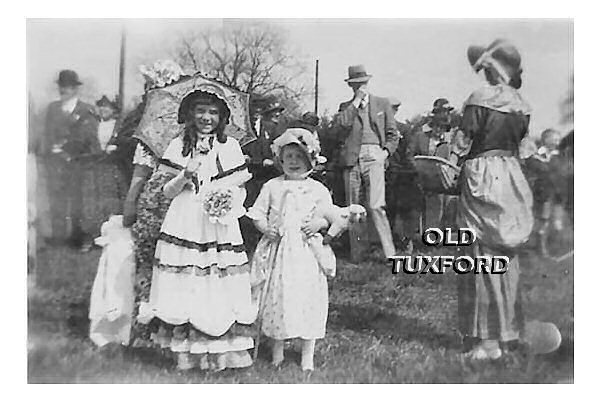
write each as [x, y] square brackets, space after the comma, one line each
[70, 135]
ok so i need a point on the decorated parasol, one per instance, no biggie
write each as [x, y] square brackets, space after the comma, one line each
[437, 175]
[159, 124]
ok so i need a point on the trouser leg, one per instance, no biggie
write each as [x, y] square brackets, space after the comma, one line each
[374, 175]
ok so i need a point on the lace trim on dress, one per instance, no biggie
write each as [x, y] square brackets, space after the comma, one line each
[144, 157]
[198, 270]
[237, 248]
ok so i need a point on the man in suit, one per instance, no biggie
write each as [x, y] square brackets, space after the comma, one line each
[70, 135]
[369, 136]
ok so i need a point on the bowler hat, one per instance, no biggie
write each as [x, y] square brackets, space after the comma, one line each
[357, 73]
[68, 77]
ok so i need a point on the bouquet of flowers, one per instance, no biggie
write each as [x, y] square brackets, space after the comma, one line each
[218, 203]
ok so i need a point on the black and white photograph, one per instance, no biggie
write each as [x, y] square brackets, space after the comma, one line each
[300, 200]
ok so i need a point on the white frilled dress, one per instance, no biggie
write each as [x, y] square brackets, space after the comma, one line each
[294, 301]
[200, 287]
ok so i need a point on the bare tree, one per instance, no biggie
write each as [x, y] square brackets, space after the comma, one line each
[250, 56]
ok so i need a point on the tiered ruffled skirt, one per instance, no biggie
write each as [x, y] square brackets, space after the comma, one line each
[200, 292]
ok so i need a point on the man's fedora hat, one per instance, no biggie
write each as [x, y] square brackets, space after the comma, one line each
[68, 77]
[357, 73]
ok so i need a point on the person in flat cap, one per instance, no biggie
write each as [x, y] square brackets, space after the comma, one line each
[70, 137]
[369, 136]
[495, 201]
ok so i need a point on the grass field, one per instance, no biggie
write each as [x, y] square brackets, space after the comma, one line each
[382, 328]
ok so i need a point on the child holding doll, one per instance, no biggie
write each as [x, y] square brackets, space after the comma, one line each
[286, 271]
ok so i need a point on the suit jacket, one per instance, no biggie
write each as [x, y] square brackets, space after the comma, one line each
[350, 132]
[260, 150]
[76, 132]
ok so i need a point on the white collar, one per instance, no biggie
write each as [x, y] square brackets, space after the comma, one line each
[364, 102]
[69, 105]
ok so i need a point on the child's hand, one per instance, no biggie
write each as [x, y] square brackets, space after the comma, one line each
[193, 165]
[272, 233]
[313, 226]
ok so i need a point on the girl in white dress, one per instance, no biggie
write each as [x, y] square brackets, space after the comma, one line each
[291, 285]
[200, 290]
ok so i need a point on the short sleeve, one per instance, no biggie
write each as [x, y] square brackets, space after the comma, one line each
[260, 209]
[144, 157]
[323, 194]
[238, 155]
[473, 120]
[173, 151]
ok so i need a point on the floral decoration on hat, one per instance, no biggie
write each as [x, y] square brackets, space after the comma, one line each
[161, 73]
[307, 141]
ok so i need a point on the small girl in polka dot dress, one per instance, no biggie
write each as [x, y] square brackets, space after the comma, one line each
[290, 285]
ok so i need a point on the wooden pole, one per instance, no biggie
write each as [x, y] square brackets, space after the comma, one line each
[317, 87]
[122, 71]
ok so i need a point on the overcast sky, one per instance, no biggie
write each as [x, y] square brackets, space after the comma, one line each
[415, 60]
